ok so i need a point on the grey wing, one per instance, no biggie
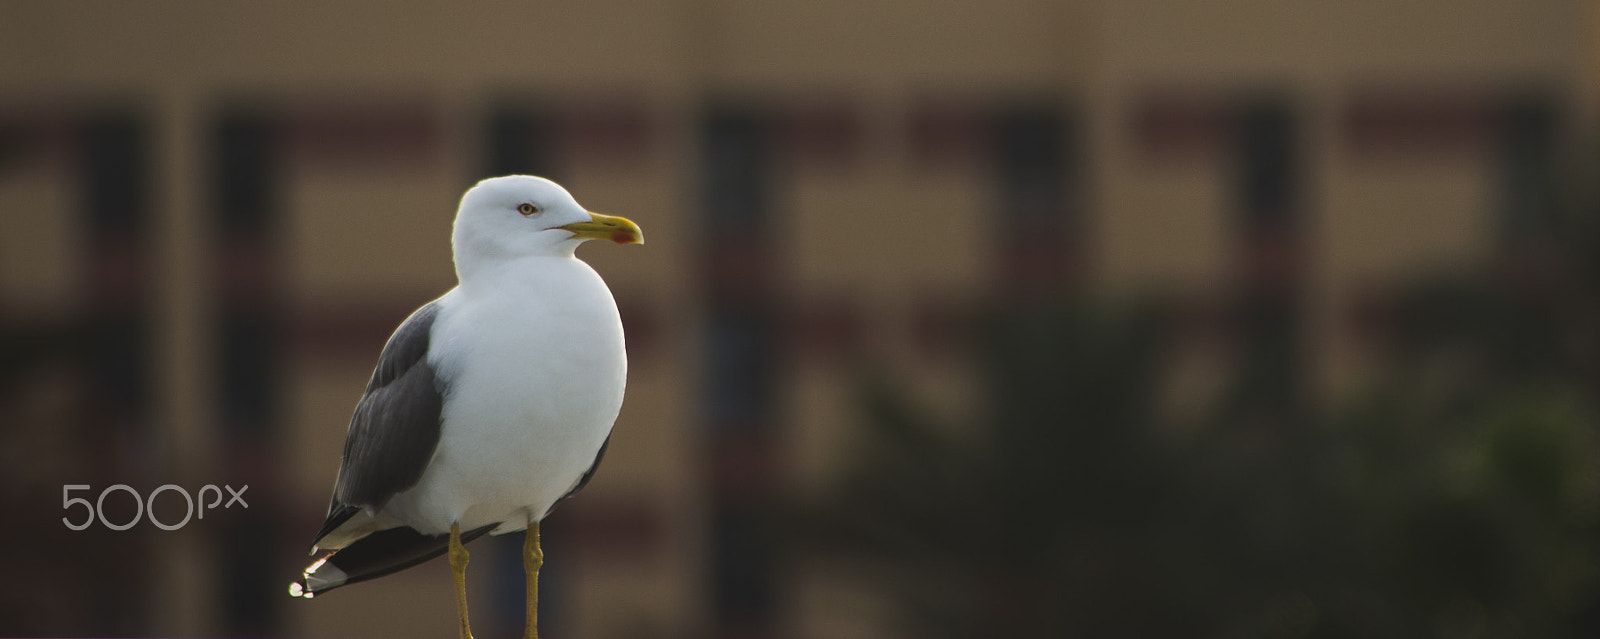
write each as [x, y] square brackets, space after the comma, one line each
[584, 480]
[396, 424]
[589, 474]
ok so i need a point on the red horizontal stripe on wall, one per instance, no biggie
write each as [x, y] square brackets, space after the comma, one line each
[363, 134]
[641, 324]
[119, 272]
[246, 272]
[1182, 126]
[37, 137]
[830, 330]
[820, 133]
[607, 131]
[940, 325]
[613, 527]
[745, 464]
[1412, 122]
[351, 331]
[949, 131]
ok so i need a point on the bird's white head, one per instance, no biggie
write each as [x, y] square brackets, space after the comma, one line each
[517, 216]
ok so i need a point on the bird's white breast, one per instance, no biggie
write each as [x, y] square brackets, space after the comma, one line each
[534, 362]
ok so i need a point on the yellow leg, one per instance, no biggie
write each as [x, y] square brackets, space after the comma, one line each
[532, 560]
[458, 565]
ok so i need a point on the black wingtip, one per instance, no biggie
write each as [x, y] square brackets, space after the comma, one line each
[381, 553]
[321, 576]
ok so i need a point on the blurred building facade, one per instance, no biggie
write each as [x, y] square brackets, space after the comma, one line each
[213, 216]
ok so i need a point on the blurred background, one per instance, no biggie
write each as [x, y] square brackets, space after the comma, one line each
[1021, 318]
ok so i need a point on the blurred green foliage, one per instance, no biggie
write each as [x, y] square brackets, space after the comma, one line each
[1455, 493]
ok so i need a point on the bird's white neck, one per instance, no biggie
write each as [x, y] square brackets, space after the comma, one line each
[486, 260]
[498, 277]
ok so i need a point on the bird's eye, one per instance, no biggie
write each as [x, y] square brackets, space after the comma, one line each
[527, 209]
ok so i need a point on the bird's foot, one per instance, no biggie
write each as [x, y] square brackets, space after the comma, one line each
[532, 560]
[458, 566]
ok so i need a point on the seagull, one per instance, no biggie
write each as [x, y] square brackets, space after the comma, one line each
[489, 404]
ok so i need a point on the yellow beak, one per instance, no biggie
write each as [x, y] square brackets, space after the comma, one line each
[607, 227]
